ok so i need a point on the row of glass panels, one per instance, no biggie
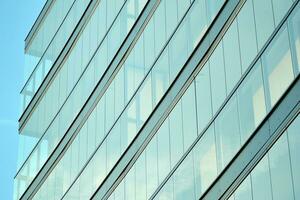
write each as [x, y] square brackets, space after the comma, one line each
[63, 84]
[217, 145]
[135, 73]
[39, 59]
[68, 77]
[277, 174]
[45, 32]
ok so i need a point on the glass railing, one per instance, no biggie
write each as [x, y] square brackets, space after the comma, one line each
[44, 50]
[88, 73]
[101, 130]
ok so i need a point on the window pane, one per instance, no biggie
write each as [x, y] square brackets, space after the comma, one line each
[251, 100]
[189, 117]
[176, 136]
[171, 16]
[203, 92]
[205, 164]
[280, 8]
[164, 151]
[244, 190]
[227, 133]
[217, 74]
[261, 184]
[140, 167]
[247, 35]
[184, 180]
[130, 184]
[264, 20]
[280, 170]
[294, 144]
[213, 8]
[151, 161]
[277, 66]
[295, 22]
[197, 24]
[178, 51]
[232, 56]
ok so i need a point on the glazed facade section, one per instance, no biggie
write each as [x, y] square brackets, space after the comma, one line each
[276, 176]
[99, 116]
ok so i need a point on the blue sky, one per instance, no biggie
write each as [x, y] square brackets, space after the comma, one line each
[16, 19]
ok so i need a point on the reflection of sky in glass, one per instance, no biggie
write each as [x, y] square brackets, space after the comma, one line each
[16, 20]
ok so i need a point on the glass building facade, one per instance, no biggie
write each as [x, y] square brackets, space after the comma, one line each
[161, 99]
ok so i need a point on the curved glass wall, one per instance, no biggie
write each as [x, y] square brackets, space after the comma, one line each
[139, 107]
[46, 114]
[46, 30]
[48, 43]
[276, 176]
[219, 140]
[88, 73]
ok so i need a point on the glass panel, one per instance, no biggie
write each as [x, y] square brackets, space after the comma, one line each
[140, 167]
[232, 56]
[205, 163]
[244, 190]
[130, 184]
[277, 66]
[171, 16]
[217, 74]
[264, 20]
[189, 117]
[151, 160]
[167, 192]
[227, 133]
[295, 32]
[251, 100]
[164, 151]
[247, 35]
[280, 9]
[176, 136]
[261, 184]
[203, 92]
[280, 168]
[294, 144]
[184, 180]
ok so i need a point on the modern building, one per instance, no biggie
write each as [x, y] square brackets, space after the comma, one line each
[161, 99]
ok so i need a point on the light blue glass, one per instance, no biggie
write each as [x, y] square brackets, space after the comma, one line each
[281, 177]
[277, 65]
[163, 148]
[294, 143]
[227, 133]
[280, 8]
[183, 180]
[205, 163]
[130, 186]
[295, 34]
[176, 134]
[251, 101]
[217, 75]
[189, 117]
[244, 191]
[140, 165]
[261, 182]
[264, 20]
[203, 95]
[152, 167]
[232, 56]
